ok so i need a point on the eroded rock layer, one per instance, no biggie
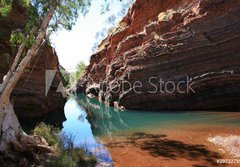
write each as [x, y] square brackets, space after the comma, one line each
[29, 98]
[192, 45]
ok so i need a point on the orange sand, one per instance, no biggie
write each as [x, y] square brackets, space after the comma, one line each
[181, 147]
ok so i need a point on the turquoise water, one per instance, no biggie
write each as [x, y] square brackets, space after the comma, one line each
[78, 127]
[89, 121]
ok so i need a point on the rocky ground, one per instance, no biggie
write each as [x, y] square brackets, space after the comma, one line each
[229, 143]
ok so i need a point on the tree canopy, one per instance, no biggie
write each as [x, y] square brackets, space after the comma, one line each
[65, 17]
[78, 74]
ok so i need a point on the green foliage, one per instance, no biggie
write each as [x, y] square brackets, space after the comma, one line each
[48, 132]
[66, 14]
[81, 68]
[30, 41]
[17, 38]
[25, 3]
[65, 17]
[73, 157]
[80, 71]
[63, 144]
[111, 22]
[65, 75]
[5, 11]
[33, 19]
[5, 7]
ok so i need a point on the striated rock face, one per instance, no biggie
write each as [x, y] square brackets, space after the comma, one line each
[180, 54]
[29, 95]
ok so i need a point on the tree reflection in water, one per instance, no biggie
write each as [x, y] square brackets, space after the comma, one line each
[104, 119]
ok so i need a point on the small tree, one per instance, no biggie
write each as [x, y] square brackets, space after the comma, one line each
[44, 17]
[78, 74]
[81, 68]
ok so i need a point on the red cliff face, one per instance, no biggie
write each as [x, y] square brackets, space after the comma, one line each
[191, 44]
[29, 95]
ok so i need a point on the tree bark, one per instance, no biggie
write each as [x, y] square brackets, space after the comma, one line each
[10, 126]
[11, 129]
[13, 68]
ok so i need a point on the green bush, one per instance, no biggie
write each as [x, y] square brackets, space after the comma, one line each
[48, 132]
[68, 156]
[5, 7]
[78, 74]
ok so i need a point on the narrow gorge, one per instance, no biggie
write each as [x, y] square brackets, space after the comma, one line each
[119, 83]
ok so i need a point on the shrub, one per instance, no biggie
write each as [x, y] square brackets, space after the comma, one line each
[5, 7]
[48, 132]
[78, 74]
[63, 145]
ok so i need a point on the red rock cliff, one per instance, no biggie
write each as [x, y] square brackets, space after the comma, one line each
[29, 95]
[196, 41]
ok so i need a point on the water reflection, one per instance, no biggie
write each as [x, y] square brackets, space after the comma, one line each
[98, 120]
[104, 119]
[91, 123]
[78, 127]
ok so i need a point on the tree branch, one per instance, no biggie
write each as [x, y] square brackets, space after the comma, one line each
[13, 67]
[32, 52]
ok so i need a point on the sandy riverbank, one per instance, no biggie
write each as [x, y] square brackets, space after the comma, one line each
[181, 147]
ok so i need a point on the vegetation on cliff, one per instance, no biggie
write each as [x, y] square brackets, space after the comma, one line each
[6, 6]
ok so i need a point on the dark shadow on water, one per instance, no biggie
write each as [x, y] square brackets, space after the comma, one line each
[161, 146]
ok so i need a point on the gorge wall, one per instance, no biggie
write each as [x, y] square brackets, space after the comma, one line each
[183, 42]
[29, 95]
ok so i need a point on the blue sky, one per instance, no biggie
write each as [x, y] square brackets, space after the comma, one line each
[76, 45]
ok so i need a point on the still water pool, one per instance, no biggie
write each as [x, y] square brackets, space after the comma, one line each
[90, 122]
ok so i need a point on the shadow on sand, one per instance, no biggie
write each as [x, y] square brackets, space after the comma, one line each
[161, 146]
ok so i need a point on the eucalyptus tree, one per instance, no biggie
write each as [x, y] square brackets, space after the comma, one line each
[43, 18]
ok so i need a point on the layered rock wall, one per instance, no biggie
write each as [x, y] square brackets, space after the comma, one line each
[191, 41]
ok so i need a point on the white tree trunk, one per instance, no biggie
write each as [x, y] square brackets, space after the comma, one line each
[10, 126]
[13, 68]
[11, 129]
